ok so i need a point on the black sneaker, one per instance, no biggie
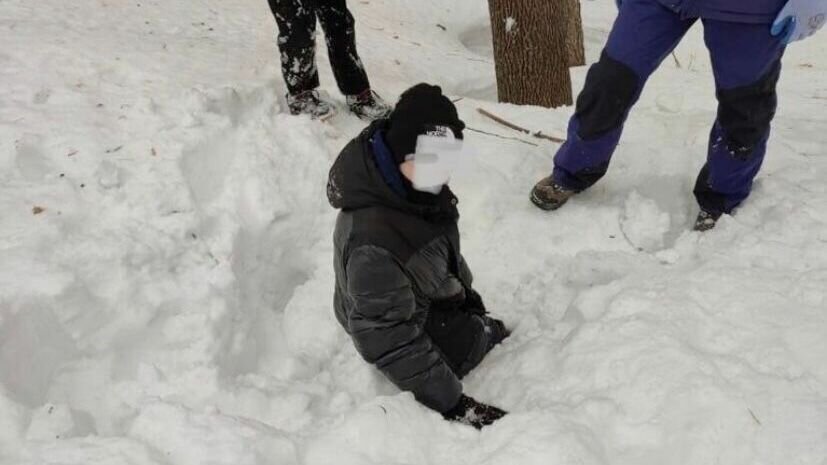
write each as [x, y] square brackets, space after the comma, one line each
[706, 220]
[548, 195]
[309, 103]
[368, 106]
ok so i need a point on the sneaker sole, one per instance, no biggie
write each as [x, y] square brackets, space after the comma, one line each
[546, 206]
[704, 227]
[367, 118]
[326, 117]
[330, 114]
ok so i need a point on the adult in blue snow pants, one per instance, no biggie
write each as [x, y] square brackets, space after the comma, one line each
[746, 50]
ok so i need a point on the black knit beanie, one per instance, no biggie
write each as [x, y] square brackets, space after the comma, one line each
[419, 109]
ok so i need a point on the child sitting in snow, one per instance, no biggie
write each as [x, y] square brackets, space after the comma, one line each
[746, 40]
[403, 290]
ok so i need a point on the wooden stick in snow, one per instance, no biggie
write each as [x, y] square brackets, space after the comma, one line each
[677, 62]
[513, 126]
[500, 136]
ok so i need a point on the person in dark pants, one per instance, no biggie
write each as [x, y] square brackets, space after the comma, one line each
[746, 56]
[404, 291]
[296, 20]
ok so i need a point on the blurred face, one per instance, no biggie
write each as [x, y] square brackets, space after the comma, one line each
[439, 156]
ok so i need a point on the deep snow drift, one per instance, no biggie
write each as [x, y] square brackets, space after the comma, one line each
[166, 277]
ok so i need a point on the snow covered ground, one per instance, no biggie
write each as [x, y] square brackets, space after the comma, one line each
[166, 276]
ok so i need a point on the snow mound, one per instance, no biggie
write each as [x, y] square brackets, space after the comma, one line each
[166, 280]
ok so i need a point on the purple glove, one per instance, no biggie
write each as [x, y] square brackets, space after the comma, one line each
[799, 19]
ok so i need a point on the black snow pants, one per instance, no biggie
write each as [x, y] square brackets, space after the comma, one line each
[296, 20]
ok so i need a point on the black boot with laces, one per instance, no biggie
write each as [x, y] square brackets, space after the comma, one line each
[309, 103]
[368, 106]
[706, 220]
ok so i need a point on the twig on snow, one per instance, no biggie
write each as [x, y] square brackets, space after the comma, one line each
[501, 137]
[754, 417]
[513, 126]
[677, 62]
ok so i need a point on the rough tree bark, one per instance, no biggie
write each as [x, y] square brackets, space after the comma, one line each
[574, 41]
[530, 51]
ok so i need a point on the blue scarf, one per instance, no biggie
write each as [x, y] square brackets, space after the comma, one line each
[387, 164]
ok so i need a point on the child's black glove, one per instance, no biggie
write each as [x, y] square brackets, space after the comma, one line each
[472, 413]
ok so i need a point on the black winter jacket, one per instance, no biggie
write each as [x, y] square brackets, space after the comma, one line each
[395, 260]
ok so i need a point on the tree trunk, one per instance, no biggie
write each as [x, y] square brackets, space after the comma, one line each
[530, 51]
[574, 41]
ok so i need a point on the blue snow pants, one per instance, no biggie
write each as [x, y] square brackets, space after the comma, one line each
[746, 62]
